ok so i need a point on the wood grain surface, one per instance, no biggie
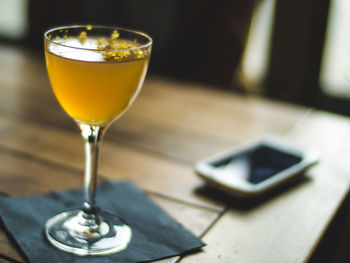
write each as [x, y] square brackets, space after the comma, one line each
[155, 145]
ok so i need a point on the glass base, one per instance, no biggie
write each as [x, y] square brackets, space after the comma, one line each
[82, 234]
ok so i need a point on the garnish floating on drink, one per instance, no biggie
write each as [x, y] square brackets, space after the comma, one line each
[107, 74]
[111, 48]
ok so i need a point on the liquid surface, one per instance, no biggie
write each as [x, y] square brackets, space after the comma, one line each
[89, 87]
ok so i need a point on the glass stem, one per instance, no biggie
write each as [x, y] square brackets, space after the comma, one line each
[92, 136]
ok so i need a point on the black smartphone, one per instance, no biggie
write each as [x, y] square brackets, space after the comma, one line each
[255, 168]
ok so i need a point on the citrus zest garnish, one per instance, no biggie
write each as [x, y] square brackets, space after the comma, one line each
[116, 55]
[102, 41]
[82, 37]
[115, 34]
[139, 53]
[112, 49]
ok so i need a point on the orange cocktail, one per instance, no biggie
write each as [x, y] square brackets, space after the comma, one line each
[96, 87]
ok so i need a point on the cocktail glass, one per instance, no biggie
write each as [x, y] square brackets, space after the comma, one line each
[96, 73]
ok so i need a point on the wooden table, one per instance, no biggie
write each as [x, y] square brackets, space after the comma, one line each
[171, 126]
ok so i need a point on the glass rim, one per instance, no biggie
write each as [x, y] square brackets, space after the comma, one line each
[50, 30]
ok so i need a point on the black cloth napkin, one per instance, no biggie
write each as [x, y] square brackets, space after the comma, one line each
[155, 234]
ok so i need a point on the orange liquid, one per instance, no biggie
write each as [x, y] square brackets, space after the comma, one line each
[95, 93]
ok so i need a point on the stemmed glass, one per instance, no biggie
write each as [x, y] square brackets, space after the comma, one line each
[96, 73]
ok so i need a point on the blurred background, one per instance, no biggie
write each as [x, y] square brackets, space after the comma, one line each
[293, 50]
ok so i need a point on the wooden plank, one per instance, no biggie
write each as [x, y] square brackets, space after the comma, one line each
[197, 122]
[153, 126]
[165, 127]
[288, 226]
[284, 229]
[22, 175]
[215, 112]
[325, 133]
[8, 249]
[150, 171]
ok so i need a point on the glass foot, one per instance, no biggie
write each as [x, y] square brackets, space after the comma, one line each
[82, 234]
